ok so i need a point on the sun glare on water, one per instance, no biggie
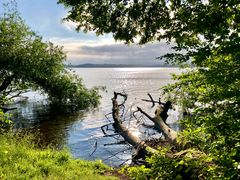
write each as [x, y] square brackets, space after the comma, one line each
[133, 69]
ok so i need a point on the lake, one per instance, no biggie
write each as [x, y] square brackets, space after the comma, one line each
[81, 132]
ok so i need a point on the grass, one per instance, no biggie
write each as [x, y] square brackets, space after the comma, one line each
[21, 159]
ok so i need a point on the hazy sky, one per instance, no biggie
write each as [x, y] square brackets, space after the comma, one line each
[45, 18]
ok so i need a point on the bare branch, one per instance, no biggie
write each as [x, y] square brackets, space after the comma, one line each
[116, 143]
[106, 125]
[95, 148]
[146, 114]
[111, 135]
[153, 101]
[115, 154]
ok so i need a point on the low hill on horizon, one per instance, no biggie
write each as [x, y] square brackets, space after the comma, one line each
[89, 65]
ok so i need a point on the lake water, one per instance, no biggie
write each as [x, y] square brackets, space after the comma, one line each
[81, 132]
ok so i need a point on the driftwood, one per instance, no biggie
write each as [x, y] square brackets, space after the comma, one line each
[147, 147]
[136, 142]
[142, 149]
[160, 125]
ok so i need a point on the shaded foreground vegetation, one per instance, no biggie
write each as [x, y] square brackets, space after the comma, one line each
[21, 159]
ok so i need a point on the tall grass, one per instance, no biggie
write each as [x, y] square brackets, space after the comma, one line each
[21, 159]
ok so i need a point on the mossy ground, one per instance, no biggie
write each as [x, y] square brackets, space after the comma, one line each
[21, 159]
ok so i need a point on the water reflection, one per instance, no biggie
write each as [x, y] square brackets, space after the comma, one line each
[37, 116]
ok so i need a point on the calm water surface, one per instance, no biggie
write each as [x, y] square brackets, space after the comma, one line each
[81, 132]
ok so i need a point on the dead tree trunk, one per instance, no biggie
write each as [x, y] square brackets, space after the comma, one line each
[142, 148]
[161, 126]
[136, 142]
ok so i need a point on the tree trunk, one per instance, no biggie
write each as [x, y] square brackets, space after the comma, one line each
[161, 126]
[119, 127]
[142, 148]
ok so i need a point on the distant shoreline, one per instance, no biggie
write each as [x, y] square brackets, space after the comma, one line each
[116, 66]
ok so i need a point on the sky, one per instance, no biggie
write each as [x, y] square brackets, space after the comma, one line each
[45, 18]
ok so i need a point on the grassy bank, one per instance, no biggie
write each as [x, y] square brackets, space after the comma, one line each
[20, 159]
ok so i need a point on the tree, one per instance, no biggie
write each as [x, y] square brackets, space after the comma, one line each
[26, 61]
[206, 33]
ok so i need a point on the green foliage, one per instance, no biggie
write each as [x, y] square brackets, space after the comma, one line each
[157, 19]
[206, 33]
[4, 120]
[211, 96]
[26, 61]
[187, 164]
[20, 159]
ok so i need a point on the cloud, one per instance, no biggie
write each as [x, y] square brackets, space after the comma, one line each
[106, 50]
[45, 17]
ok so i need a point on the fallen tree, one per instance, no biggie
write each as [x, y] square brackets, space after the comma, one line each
[185, 159]
[136, 142]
